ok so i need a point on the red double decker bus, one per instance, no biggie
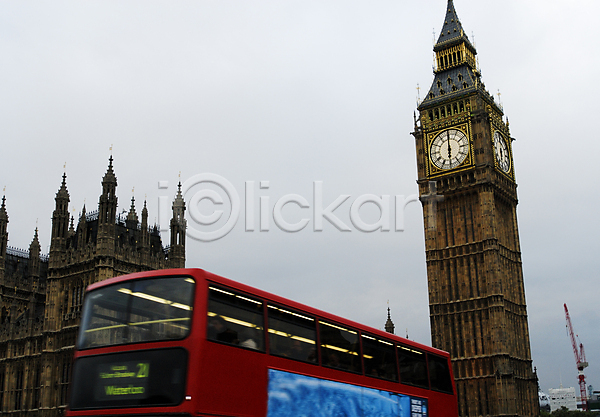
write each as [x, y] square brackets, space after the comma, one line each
[187, 342]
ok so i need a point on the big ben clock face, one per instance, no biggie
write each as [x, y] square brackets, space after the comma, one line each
[449, 149]
[501, 151]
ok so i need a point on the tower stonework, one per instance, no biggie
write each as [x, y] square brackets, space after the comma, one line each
[41, 295]
[467, 187]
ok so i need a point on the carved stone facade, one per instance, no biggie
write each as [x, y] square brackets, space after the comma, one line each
[468, 191]
[41, 296]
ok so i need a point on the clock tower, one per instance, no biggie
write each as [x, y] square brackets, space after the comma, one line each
[467, 187]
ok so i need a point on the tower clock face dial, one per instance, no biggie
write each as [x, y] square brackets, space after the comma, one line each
[501, 152]
[449, 149]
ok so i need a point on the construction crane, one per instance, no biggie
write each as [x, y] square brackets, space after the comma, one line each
[579, 360]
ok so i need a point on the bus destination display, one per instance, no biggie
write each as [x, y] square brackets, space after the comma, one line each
[122, 380]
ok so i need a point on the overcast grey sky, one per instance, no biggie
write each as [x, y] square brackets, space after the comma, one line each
[293, 92]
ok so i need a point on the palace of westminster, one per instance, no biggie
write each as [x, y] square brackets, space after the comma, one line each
[467, 187]
[41, 295]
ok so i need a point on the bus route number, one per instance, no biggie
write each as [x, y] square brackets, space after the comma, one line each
[143, 370]
[122, 381]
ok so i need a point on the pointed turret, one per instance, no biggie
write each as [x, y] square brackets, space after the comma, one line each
[109, 178]
[3, 231]
[389, 324]
[145, 216]
[107, 212]
[72, 226]
[108, 200]
[144, 228]
[178, 226]
[60, 221]
[3, 237]
[34, 256]
[82, 229]
[132, 217]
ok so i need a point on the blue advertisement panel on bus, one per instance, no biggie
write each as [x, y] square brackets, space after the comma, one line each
[293, 395]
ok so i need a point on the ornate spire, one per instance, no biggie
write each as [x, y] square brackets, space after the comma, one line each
[452, 30]
[132, 215]
[389, 324]
[35, 243]
[3, 213]
[62, 192]
[3, 232]
[60, 216]
[178, 226]
[110, 177]
[72, 225]
[144, 228]
[178, 202]
[107, 205]
[145, 216]
[456, 70]
[34, 256]
[82, 228]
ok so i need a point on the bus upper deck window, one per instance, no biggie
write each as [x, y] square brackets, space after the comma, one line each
[439, 374]
[340, 347]
[235, 319]
[292, 334]
[413, 367]
[379, 358]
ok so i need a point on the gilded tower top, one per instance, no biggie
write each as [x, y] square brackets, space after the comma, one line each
[452, 31]
[456, 71]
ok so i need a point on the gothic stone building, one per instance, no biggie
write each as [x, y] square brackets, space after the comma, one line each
[467, 186]
[41, 295]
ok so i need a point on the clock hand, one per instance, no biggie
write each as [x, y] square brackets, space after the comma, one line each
[449, 151]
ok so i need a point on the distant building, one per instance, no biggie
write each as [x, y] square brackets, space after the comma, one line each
[389, 324]
[562, 397]
[41, 295]
[544, 402]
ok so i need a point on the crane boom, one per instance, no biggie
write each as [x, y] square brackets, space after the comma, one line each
[579, 360]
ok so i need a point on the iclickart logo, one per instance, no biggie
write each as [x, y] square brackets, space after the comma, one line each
[214, 206]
